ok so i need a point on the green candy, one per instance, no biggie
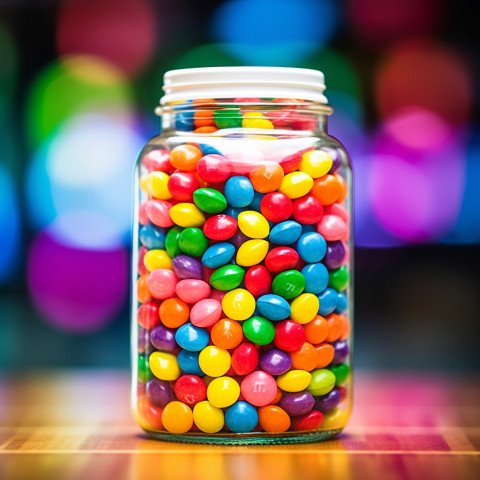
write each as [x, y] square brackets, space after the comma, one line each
[322, 382]
[144, 372]
[259, 330]
[341, 373]
[227, 118]
[288, 284]
[171, 242]
[338, 279]
[227, 277]
[209, 200]
[193, 242]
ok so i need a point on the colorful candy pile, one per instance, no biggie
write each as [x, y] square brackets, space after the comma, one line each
[242, 279]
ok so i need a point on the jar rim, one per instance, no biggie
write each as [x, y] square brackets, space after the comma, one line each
[244, 82]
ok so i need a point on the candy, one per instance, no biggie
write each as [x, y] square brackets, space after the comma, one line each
[252, 252]
[297, 403]
[296, 185]
[158, 212]
[258, 280]
[310, 421]
[341, 351]
[220, 227]
[218, 255]
[144, 345]
[253, 225]
[335, 327]
[190, 389]
[193, 241]
[191, 338]
[338, 279]
[239, 191]
[144, 372]
[159, 392]
[289, 335]
[316, 278]
[227, 277]
[259, 330]
[327, 189]
[177, 417]
[341, 373]
[207, 417]
[305, 358]
[281, 258]
[185, 157]
[181, 186]
[157, 159]
[311, 247]
[294, 380]
[276, 207]
[316, 163]
[328, 402]
[158, 182]
[187, 215]
[164, 365]
[258, 388]
[275, 361]
[186, 266]
[328, 301]
[162, 283]
[273, 419]
[304, 308]
[238, 304]
[273, 307]
[342, 303]
[213, 168]
[191, 290]
[173, 312]
[228, 118]
[188, 362]
[209, 200]
[227, 334]
[255, 120]
[285, 233]
[152, 236]
[206, 312]
[241, 417]
[163, 338]
[152, 414]
[147, 315]
[171, 242]
[267, 177]
[335, 255]
[325, 353]
[223, 392]
[322, 382]
[214, 361]
[244, 359]
[332, 227]
[307, 210]
[289, 284]
[154, 259]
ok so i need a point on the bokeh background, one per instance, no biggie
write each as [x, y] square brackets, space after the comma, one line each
[79, 80]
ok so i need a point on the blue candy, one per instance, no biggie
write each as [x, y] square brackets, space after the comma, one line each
[239, 191]
[311, 227]
[311, 247]
[208, 149]
[316, 278]
[218, 254]
[273, 307]
[192, 338]
[241, 417]
[188, 362]
[152, 236]
[328, 301]
[184, 121]
[285, 233]
[233, 212]
[257, 198]
[342, 303]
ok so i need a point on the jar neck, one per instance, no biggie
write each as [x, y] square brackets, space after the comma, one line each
[258, 116]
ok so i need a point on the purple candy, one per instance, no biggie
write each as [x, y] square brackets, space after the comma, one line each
[238, 239]
[275, 362]
[337, 161]
[163, 338]
[297, 403]
[335, 255]
[341, 351]
[144, 345]
[159, 392]
[185, 266]
[328, 402]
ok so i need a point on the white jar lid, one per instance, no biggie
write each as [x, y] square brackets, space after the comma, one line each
[244, 82]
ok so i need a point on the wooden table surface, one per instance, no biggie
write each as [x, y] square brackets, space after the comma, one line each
[77, 425]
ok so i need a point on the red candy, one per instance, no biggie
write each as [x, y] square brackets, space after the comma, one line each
[157, 160]
[213, 168]
[148, 316]
[244, 359]
[258, 280]
[220, 227]
[182, 185]
[190, 389]
[307, 210]
[276, 207]
[280, 259]
[143, 214]
[309, 421]
[289, 335]
[142, 269]
[291, 162]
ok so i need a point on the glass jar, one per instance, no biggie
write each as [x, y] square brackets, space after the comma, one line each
[242, 265]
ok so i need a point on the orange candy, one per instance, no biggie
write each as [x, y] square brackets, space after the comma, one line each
[335, 327]
[207, 129]
[150, 413]
[305, 358]
[203, 118]
[344, 188]
[267, 177]
[325, 353]
[273, 419]
[346, 326]
[185, 157]
[316, 331]
[277, 397]
[143, 293]
[327, 189]
[226, 334]
[173, 312]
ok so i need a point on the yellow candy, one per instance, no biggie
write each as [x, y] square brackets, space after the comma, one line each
[252, 252]
[304, 308]
[296, 184]
[256, 120]
[253, 224]
[164, 366]
[316, 163]
[158, 185]
[214, 361]
[145, 184]
[177, 417]
[238, 304]
[187, 215]
[223, 392]
[207, 417]
[294, 380]
[336, 418]
[154, 259]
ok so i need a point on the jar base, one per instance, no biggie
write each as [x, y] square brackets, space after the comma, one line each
[247, 438]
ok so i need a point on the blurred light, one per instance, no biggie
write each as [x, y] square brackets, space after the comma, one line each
[209, 55]
[80, 182]
[272, 32]
[379, 22]
[73, 85]
[76, 290]
[120, 31]
[9, 226]
[433, 77]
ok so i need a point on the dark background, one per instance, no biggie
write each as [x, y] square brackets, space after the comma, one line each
[78, 84]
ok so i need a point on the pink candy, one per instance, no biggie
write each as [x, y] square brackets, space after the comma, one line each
[206, 312]
[158, 212]
[161, 283]
[192, 291]
[332, 228]
[259, 388]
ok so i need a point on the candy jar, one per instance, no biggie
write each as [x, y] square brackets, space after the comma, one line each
[242, 266]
